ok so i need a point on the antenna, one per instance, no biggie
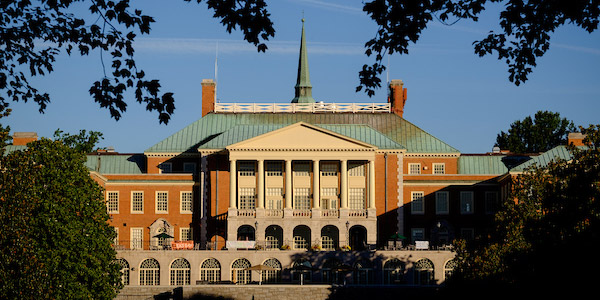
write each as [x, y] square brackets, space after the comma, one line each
[216, 71]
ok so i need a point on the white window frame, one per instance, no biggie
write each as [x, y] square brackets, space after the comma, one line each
[183, 236]
[329, 169]
[467, 206]
[414, 168]
[133, 204]
[247, 168]
[247, 198]
[186, 166]
[442, 203]
[417, 197]
[274, 198]
[302, 198]
[329, 198]
[356, 169]
[116, 240]
[165, 168]
[301, 169]
[356, 198]
[184, 202]
[274, 168]
[109, 204]
[438, 168]
[134, 243]
[158, 206]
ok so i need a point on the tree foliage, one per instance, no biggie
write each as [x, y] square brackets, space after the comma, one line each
[542, 133]
[55, 240]
[526, 27]
[83, 142]
[34, 33]
[545, 239]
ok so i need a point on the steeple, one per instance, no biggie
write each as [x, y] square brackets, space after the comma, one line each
[303, 93]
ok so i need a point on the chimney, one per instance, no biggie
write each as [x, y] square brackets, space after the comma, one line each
[208, 96]
[575, 138]
[22, 138]
[397, 96]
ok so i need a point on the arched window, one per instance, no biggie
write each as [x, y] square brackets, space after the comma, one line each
[239, 274]
[333, 271]
[393, 271]
[180, 272]
[150, 272]
[274, 237]
[301, 237]
[272, 276]
[301, 270]
[329, 238]
[424, 272]
[124, 270]
[363, 272]
[210, 270]
[245, 233]
[449, 268]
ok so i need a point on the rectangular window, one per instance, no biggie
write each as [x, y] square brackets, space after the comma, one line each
[441, 203]
[137, 238]
[439, 168]
[116, 240]
[356, 169]
[189, 167]
[329, 197]
[417, 206]
[356, 198]
[162, 202]
[329, 169]
[302, 198]
[166, 167]
[274, 168]
[112, 202]
[466, 203]
[417, 234]
[491, 202]
[246, 168]
[186, 202]
[137, 202]
[274, 198]
[414, 168]
[301, 169]
[247, 198]
[185, 234]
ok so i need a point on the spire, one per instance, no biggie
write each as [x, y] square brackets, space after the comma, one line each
[303, 93]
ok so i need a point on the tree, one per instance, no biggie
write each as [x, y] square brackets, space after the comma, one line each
[544, 239]
[526, 27]
[55, 240]
[83, 142]
[33, 33]
[542, 133]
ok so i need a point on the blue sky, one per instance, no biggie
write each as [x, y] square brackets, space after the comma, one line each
[453, 94]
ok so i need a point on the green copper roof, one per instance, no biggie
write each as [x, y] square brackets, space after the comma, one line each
[481, 164]
[374, 128]
[558, 152]
[116, 164]
[303, 89]
[11, 148]
[361, 133]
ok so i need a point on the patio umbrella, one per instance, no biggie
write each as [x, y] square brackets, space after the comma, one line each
[397, 236]
[163, 235]
[260, 268]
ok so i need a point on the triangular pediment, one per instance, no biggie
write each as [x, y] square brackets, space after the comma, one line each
[301, 136]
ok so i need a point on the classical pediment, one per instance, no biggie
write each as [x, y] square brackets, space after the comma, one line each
[301, 136]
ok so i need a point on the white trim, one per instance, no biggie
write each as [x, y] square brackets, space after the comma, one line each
[443, 165]
[437, 208]
[470, 205]
[412, 200]
[132, 243]
[410, 169]
[113, 212]
[131, 203]
[156, 210]
[181, 202]
[302, 107]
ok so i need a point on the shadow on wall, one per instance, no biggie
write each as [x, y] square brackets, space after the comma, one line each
[177, 294]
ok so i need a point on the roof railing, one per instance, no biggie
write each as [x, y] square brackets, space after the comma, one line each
[317, 107]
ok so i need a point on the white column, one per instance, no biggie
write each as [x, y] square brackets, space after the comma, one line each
[260, 186]
[316, 180]
[344, 184]
[232, 183]
[288, 184]
[372, 184]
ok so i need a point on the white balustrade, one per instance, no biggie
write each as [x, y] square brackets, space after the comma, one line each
[302, 107]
